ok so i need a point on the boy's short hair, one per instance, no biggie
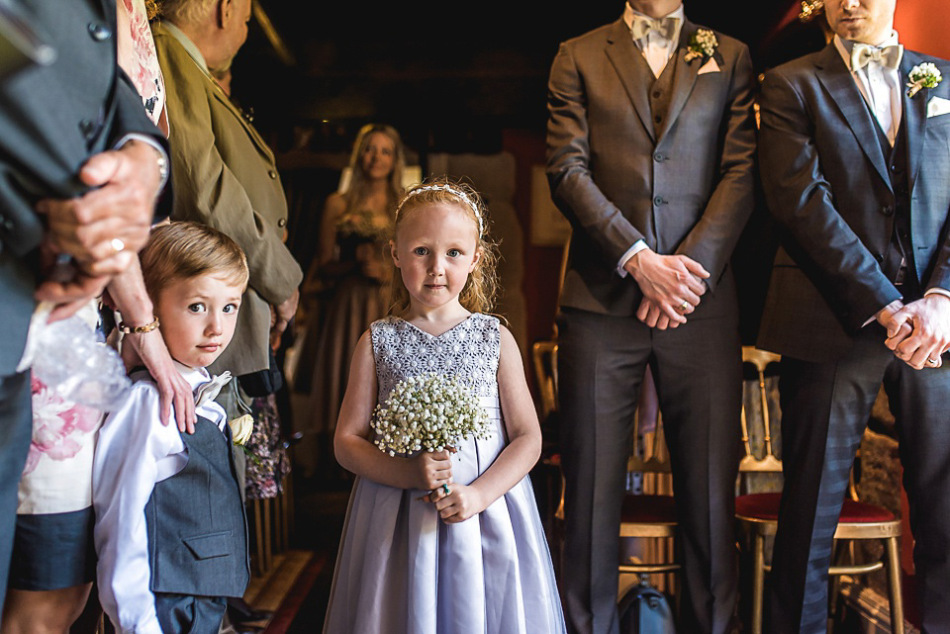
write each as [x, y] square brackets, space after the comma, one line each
[183, 250]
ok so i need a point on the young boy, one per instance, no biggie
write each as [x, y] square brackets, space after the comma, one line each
[170, 527]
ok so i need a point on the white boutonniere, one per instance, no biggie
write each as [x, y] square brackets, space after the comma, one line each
[241, 428]
[702, 44]
[924, 75]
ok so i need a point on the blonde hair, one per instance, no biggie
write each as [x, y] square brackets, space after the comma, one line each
[359, 180]
[478, 294]
[183, 250]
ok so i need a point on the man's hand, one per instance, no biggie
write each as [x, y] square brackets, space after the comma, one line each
[928, 320]
[671, 284]
[103, 229]
[282, 315]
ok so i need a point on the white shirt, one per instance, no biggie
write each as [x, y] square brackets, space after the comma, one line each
[657, 50]
[880, 87]
[133, 453]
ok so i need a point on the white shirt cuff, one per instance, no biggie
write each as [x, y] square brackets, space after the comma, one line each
[937, 291]
[144, 138]
[638, 246]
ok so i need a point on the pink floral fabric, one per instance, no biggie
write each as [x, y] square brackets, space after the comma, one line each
[137, 57]
[57, 425]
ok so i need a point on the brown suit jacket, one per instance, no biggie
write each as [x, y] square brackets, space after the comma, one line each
[225, 176]
[688, 189]
[826, 182]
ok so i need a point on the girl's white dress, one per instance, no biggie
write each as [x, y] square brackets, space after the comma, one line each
[400, 569]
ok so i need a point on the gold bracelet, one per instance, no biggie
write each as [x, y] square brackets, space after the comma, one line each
[138, 330]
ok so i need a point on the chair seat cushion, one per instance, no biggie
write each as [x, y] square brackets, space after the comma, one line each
[764, 506]
[648, 509]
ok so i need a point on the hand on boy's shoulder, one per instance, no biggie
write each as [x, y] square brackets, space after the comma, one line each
[139, 415]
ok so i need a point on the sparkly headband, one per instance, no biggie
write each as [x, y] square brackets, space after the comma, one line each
[450, 189]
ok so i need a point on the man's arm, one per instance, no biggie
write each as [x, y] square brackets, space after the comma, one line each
[568, 169]
[800, 198]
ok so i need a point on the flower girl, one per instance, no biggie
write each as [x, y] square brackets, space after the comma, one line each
[450, 540]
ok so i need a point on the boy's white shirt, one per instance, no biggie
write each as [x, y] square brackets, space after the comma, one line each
[135, 451]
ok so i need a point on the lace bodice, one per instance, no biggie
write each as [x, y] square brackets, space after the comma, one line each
[468, 351]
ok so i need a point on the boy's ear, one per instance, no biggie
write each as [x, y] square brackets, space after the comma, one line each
[222, 12]
[392, 251]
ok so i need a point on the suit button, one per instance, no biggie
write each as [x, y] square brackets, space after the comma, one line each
[887, 210]
[272, 174]
[99, 32]
[282, 222]
[659, 201]
[87, 127]
[658, 118]
[879, 257]
[657, 94]
[6, 225]
[659, 158]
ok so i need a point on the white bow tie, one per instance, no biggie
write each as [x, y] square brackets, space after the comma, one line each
[887, 56]
[642, 26]
[210, 390]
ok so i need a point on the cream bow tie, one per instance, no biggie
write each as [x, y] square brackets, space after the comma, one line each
[887, 56]
[642, 26]
[209, 391]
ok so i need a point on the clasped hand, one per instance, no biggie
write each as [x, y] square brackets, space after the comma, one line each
[672, 286]
[455, 502]
[918, 332]
[103, 229]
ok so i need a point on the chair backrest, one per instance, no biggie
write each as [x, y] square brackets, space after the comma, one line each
[544, 355]
[760, 360]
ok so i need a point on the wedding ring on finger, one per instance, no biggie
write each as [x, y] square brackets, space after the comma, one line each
[684, 306]
[117, 245]
[931, 361]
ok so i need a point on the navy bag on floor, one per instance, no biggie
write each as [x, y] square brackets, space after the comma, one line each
[645, 610]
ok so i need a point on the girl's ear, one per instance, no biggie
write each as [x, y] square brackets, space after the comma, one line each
[392, 251]
[475, 260]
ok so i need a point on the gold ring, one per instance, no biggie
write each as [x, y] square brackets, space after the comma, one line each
[684, 306]
[117, 245]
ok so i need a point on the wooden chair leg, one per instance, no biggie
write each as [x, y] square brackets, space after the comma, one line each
[268, 551]
[258, 537]
[758, 583]
[894, 585]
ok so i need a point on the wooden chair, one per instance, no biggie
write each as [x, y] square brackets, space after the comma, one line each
[758, 514]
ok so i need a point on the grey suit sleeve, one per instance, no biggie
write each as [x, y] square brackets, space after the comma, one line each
[713, 239]
[572, 185]
[800, 198]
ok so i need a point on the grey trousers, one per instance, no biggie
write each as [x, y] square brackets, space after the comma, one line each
[187, 614]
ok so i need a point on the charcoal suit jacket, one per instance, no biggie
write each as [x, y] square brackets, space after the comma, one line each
[827, 183]
[684, 189]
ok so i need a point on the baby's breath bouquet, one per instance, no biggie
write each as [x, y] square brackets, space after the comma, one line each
[428, 412]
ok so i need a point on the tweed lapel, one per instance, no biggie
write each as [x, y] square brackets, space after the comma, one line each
[633, 70]
[839, 84]
[683, 79]
[915, 115]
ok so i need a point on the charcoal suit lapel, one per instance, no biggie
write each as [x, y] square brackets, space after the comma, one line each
[683, 79]
[633, 70]
[836, 78]
[915, 116]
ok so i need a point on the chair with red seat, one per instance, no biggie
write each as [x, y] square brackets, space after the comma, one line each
[758, 513]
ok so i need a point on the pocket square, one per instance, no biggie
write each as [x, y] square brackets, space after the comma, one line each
[709, 67]
[937, 106]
